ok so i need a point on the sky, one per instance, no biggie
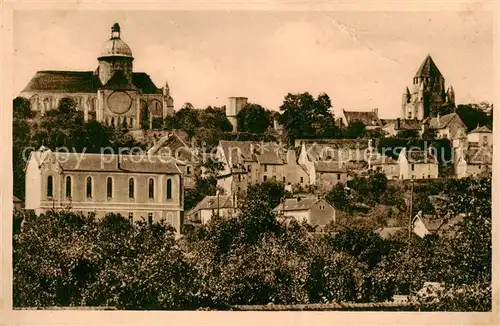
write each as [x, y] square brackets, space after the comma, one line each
[362, 60]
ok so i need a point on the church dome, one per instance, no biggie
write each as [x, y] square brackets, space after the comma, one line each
[115, 46]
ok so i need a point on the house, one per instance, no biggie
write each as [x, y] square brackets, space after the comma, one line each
[394, 126]
[17, 203]
[313, 210]
[221, 205]
[386, 165]
[481, 136]
[369, 118]
[446, 126]
[135, 186]
[247, 163]
[332, 161]
[175, 145]
[423, 225]
[417, 164]
[390, 231]
[474, 161]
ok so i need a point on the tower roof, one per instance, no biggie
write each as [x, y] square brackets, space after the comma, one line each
[428, 69]
[115, 46]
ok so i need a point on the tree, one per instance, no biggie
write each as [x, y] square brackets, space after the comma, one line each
[270, 191]
[215, 118]
[253, 118]
[474, 115]
[356, 129]
[338, 197]
[187, 120]
[21, 108]
[302, 115]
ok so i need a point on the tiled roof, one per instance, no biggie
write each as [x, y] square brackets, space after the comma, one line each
[81, 82]
[428, 69]
[119, 82]
[419, 156]
[404, 124]
[110, 162]
[368, 118]
[294, 204]
[379, 159]
[334, 142]
[333, 167]
[212, 203]
[442, 121]
[479, 155]
[482, 129]
[239, 152]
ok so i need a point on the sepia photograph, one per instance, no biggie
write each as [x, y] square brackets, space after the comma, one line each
[239, 160]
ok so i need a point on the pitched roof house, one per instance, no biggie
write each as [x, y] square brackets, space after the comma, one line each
[369, 118]
[222, 205]
[474, 161]
[313, 210]
[447, 126]
[417, 164]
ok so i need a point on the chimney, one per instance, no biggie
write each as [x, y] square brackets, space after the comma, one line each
[398, 124]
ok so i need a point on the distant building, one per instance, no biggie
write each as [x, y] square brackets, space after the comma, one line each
[481, 136]
[175, 145]
[112, 94]
[394, 126]
[427, 225]
[427, 93]
[448, 126]
[369, 118]
[137, 187]
[386, 165]
[474, 161]
[222, 206]
[234, 107]
[417, 164]
[313, 210]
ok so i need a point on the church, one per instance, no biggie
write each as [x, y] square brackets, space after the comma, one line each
[113, 94]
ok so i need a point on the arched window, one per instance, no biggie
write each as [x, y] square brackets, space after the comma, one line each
[131, 189]
[109, 187]
[112, 122]
[169, 189]
[50, 186]
[68, 186]
[151, 188]
[89, 187]
[131, 122]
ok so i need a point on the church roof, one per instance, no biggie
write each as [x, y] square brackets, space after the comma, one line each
[81, 82]
[368, 118]
[428, 69]
[119, 82]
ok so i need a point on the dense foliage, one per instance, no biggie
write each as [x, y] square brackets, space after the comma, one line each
[254, 118]
[63, 259]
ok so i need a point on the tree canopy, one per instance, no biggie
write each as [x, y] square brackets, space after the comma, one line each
[254, 118]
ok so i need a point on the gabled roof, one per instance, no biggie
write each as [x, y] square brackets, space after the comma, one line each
[404, 124]
[213, 203]
[479, 155]
[330, 167]
[368, 118]
[482, 129]
[297, 204]
[379, 159]
[239, 152]
[119, 82]
[81, 82]
[442, 122]
[108, 162]
[428, 69]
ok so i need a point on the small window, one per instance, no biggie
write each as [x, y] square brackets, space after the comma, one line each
[284, 180]
[131, 217]
[239, 177]
[479, 166]
[338, 176]
[249, 168]
[50, 186]
[109, 187]
[188, 170]
[265, 178]
[151, 188]
[301, 179]
[89, 187]
[68, 187]
[265, 168]
[131, 186]
[413, 167]
[150, 218]
[169, 189]
[429, 176]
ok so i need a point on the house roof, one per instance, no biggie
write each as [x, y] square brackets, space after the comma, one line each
[119, 82]
[239, 152]
[420, 156]
[108, 162]
[482, 129]
[181, 150]
[442, 122]
[404, 124]
[213, 203]
[368, 118]
[428, 69]
[296, 204]
[379, 159]
[334, 143]
[479, 155]
[81, 82]
[330, 167]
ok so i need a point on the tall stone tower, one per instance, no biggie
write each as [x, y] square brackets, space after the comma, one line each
[427, 93]
[115, 56]
[234, 106]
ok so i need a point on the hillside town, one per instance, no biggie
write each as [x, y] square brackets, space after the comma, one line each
[110, 142]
